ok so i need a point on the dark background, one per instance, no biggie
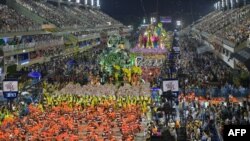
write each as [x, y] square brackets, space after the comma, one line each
[2, 1]
[131, 11]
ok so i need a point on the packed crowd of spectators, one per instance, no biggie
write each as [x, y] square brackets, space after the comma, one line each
[68, 16]
[16, 40]
[29, 41]
[64, 16]
[232, 25]
[232, 114]
[199, 119]
[106, 17]
[61, 70]
[207, 74]
[39, 38]
[51, 13]
[85, 33]
[96, 17]
[12, 21]
[88, 15]
[220, 101]
[205, 120]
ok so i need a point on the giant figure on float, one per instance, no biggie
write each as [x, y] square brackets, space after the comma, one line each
[155, 40]
[149, 34]
[153, 37]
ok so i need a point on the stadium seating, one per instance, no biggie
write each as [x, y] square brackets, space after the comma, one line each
[12, 21]
[64, 16]
[232, 25]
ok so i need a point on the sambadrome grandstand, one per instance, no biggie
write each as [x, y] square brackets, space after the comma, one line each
[79, 78]
[225, 32]
[33, 31]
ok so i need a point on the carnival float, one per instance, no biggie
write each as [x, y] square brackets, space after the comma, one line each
[111, 111]
[154, 40]
[121, 64]
[151, 50]
[89, 112]
[117, 64]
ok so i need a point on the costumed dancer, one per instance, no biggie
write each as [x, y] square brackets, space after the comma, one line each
[145, 40]
[141, 41]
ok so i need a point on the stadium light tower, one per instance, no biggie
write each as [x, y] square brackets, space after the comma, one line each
[144, 21]
[232, 4]
[178, 23]
[98, 3]
[92, 2]
[237, 3]
[219, 5]
[227, 4]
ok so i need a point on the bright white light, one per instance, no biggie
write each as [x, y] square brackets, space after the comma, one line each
[86, 2]
[92, 2]
[77, 1]
[144, 21]
[223, 4]
[152, 20]
[109, 23]
[178, 23]
[25, 62]
[232, 3]
[144, 25]
[69, 0]
[98, 3]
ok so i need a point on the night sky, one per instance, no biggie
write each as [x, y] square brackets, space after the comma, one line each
[130, 11]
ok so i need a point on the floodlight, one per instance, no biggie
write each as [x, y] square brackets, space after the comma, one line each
[178, 23]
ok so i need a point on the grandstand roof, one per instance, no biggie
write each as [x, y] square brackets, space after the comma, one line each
[243, 56]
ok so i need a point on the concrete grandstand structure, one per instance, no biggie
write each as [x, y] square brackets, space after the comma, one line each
[225, 33]
[35, 31]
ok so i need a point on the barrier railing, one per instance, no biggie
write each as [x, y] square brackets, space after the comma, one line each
[226, 42]
[219, 92]
[41, 44]
[21, 29]
[88, 36]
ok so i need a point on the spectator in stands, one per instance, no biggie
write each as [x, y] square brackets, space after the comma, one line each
[11, 21]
